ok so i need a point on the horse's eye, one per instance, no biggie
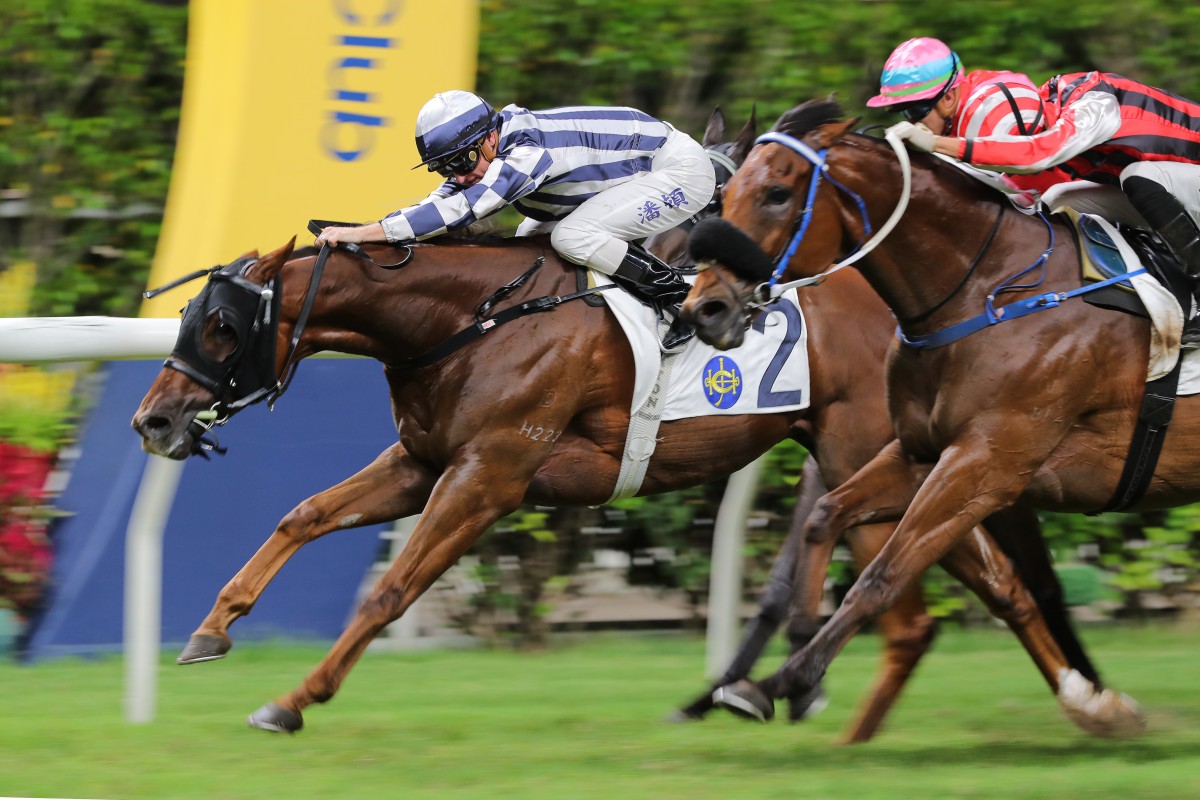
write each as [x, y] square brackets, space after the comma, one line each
[778, 196]
[224, 331]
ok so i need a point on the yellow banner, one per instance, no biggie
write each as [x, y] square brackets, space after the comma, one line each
[299, 109]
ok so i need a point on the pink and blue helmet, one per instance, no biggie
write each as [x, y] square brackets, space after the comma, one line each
[450, 122]
[919, 69]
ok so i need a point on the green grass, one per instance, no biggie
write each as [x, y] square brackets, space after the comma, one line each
[584, 720]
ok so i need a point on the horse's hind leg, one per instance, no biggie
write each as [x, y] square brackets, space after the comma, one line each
[391, 487]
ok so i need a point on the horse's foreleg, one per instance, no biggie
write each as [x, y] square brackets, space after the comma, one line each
[391, 487]
[879, 492]
[980, 565]
[966, 485]
[776, 600]
[1017, 532]
[466, 500]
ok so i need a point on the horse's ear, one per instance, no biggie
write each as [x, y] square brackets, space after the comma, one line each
[715, 132]
[825, 135]
[248, 254]
[746, 137]
[269, 265]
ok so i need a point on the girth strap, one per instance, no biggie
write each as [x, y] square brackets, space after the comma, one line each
[1158, 406]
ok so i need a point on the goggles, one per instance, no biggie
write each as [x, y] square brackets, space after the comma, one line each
[459, 163]
[915, 112]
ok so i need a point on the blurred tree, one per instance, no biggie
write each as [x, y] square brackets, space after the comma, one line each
[89, 105]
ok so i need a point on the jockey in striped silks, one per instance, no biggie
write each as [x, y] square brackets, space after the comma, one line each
[597, 179]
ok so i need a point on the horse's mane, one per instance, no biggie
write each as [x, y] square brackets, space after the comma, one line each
[809, 115]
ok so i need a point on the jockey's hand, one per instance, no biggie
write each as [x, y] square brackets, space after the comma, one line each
[917, 135]
[333, 236]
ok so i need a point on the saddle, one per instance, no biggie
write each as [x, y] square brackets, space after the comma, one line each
[1100, 259]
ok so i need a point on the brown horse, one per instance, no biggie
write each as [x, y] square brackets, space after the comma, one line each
[1038, 410]
[907, 629]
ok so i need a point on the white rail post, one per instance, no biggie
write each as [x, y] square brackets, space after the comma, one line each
[143, 585]
[725, 578]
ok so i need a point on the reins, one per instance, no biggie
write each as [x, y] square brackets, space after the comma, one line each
[966, 275]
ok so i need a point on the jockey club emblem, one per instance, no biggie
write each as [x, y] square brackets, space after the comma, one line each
[722, 382]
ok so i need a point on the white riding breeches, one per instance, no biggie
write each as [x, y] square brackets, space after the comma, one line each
[1180, 179]
[681, 183]
[1100, 199]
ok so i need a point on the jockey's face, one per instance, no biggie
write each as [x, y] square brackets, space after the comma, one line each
[473, 177]
[938, 118]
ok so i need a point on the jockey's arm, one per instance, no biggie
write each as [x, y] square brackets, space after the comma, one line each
[1089, 121]
[508, 178]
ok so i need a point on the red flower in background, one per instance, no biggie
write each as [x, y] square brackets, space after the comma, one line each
[25, 551]
[22, 475]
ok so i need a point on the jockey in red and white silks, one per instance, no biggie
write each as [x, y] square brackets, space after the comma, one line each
[1095, 126]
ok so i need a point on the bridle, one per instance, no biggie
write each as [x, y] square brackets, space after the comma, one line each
[248, 375]
[771, 289]
[766, 293]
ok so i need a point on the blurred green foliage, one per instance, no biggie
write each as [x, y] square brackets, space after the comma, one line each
[680, 59]
[90, 92]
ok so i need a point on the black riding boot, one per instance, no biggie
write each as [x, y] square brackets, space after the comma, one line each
[1175, 226]
[659, 284]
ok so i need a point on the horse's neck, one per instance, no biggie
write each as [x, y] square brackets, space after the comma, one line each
[941, 236]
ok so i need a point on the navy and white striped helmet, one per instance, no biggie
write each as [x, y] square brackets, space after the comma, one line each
[450, 122]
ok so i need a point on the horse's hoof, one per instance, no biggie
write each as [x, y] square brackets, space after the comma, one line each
[807, 705]
[1108, 714]
[745, 700]
[275, 718]
[204, 647]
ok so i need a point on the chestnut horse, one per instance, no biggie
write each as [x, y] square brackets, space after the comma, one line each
[1038, 410]
[475, 441]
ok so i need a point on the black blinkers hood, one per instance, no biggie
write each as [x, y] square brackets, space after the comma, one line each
[252, 310]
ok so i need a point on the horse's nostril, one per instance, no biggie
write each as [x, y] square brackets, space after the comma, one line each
[710, 310]
[152, 425]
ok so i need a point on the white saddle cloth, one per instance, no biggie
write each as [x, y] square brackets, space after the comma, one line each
[1166, 322]
[767, 374]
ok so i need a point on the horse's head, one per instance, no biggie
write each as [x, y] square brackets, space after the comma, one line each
[226, 357]
[726, 156]
[770, 201]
